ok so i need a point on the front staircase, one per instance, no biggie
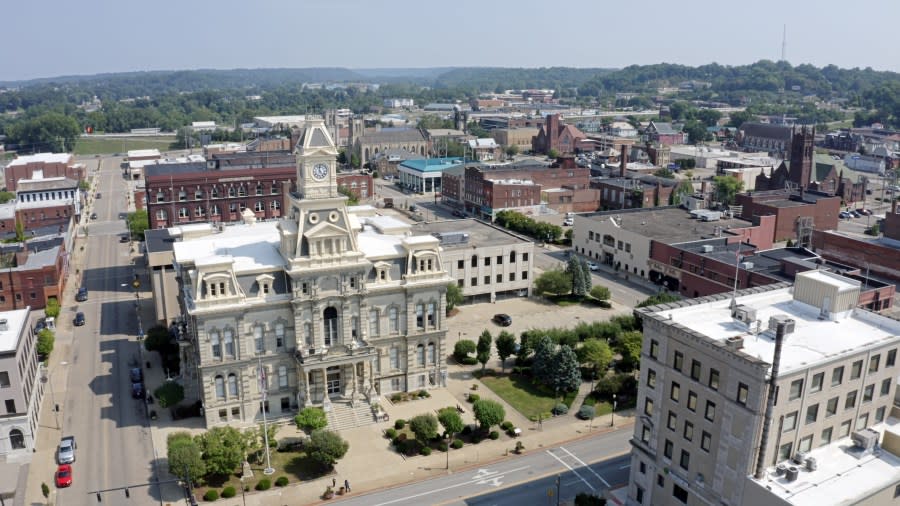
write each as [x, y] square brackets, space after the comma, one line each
[343, 416]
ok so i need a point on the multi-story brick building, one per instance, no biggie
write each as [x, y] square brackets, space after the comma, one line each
[34, 272]
[732, 386]
[21, 389]
[362, 186]
[793, 210]
[218, 189]
[42, 165]
[47, 202]
[557, 136]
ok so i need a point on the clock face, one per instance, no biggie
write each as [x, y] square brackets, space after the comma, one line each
[320, 170]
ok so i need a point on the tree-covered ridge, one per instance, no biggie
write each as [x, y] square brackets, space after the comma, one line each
[498, 79]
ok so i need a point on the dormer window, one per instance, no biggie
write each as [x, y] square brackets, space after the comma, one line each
[382, 274]
[304, 288]
[265, 288]
[212, 289]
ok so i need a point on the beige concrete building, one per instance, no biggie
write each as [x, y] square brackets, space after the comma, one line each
[520, 137]
[486, 261]
[710, 365]
[320, 308]
[21, 389]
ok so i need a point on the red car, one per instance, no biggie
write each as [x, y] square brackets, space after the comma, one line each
[64, 476]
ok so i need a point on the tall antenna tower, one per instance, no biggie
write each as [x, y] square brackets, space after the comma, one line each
[784, 44]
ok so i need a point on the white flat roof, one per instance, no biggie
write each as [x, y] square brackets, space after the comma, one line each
[297, 118]
[15, 320]
[41, 157]
[843, 475]
[143, 152]
[812, 341]
[250, 247]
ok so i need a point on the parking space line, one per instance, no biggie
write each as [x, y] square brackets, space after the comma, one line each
[570, 468]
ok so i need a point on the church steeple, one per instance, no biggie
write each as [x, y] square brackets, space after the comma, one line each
[316, 161]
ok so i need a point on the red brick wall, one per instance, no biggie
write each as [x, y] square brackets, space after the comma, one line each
[17, 172]
[824, 213]
[761, 235]
[502, 196]
[364, 187]
[890, 227]
[33, 287]
[882, 261]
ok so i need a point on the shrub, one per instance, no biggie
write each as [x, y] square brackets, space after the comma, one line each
[474, 397]
[399, 424]
[469, 361]
[211, 495]
[282, 481]
[390, 433]
[264, 484]
[423, 394]
[519, 447]
[425, 451]
[507, 425]
[467, 430]
[462, 349]
[442, 446]
[560, 409]
[456, 444]
[604, 304]
[494, 435]
[396, 398]
[587, 412]
[229, 492]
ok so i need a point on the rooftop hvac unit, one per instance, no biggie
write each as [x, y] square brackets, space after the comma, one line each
[812, 464]
[865, 439]
[746, 265]
[791, 474]
[734, 343]
[788, 322]
[707, 248]
[799, 458]
[711, 216]
[743, 313]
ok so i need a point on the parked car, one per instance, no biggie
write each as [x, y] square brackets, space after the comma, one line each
[865, 212]
[137, 390]
[39, 326]
[79, 319]
[93, 216]
[124, 238]
[844, 215]
[592, 266]
[458, 213]
[137, 375]
[64, 476]
[66, 452]
[568, 222]
[82, 294]
[502, 319]
[98, 195]
[855, 214]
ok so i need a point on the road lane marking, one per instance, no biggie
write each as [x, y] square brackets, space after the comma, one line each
[474, 481]
[586, 466]
[626, 466]
[573, 470]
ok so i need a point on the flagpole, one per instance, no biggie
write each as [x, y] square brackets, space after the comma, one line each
[263, 388]
[737, 266]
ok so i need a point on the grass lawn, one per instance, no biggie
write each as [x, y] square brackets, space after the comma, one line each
[294, 465]
[526, 397]
[107, 145]
[600, 407]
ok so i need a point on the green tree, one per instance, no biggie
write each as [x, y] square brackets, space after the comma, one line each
[600, 292]
[709, 117]
[684, 189]
[727, 187]
[585, 274]
[158, 339]
[20, 231]
[554, 282]
[629, 346]
[553, 153]
[512, 150]
[573, 268]
[425, 427]
[542, 365]
[354, 160]
[342, 156]
[659, 298]
[311, 419]
[565, 376]
[6, 196]
[488, 413]
[462, 349]
[736, 119]
[454, 296]
[184, 456]
[45, 342]
[51, 131]
[664, 173]
[137, 223]
[450, 421]
[696, 131]
[52, 307]
[326, 448]
[352, 199]
[506, 346]
[223, 449]
[169, 394]
[596, 354]
[483, 349]
[45, 490]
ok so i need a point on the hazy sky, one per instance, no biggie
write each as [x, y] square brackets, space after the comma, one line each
[44, 38]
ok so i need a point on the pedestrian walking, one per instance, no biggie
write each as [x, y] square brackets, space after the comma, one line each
[333, 482]
[347, 485]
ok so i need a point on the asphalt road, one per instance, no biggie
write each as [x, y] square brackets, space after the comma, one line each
[588, 465]
[111, 428]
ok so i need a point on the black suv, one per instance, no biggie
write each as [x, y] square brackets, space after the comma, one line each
[79, 319]
[502, 319]
[82, 294]
[137, 375]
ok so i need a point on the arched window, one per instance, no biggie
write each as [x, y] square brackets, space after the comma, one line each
[232, 192]
[431, 357]
[232, 385]
[16, 439]
[330, 317]
[420, 355]
[394, 317]
[216, 344]
[259, 206]
[220, 387]
[214, 210]
[229, 343]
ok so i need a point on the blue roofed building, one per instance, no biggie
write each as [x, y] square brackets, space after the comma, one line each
[424, 176]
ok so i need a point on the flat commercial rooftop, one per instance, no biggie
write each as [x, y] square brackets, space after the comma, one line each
[480, 233]
[844, 475]
[812, 341]
[41, 158]
[250, 247]
[669, 225]
[15, 320]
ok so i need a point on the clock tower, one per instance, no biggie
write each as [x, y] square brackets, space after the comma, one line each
[316, 162]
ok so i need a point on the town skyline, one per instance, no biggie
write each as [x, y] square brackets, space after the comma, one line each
[393, 35]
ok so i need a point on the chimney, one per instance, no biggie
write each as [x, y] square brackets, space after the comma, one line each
[623, 161]
[770, 403]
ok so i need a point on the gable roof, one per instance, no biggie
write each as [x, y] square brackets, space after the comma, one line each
[767, 130]
[408, 135]
[663, 128]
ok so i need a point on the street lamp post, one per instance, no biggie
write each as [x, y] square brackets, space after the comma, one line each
[612, 414]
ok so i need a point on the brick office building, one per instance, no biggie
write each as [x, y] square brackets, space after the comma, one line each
[362, 186]
[32, 273]
[219, 189]
[881, 257]
[790, 209]
[42, 165]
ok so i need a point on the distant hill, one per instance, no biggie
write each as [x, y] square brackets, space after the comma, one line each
[491, 79]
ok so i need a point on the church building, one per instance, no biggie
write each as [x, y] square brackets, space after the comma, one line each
[328, 306]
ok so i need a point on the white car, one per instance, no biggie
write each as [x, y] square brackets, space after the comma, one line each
[592, 266]
[568, 222]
